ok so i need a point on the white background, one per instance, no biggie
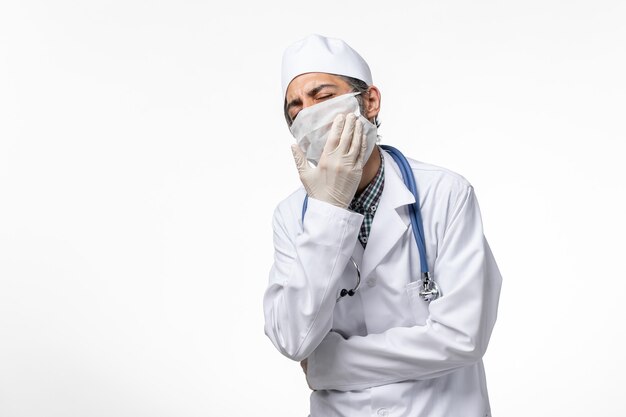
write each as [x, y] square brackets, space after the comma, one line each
[143, 150]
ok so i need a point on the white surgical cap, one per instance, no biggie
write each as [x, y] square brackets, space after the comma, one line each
[317, 53]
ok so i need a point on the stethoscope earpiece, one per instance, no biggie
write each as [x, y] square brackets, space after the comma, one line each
[351, 292]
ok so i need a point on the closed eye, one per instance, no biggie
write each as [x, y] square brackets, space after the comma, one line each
[324, 97]
[319, 93]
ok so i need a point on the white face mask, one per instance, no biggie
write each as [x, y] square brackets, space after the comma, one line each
[312, 125]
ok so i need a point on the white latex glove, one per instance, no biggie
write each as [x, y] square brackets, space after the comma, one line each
[337, 175]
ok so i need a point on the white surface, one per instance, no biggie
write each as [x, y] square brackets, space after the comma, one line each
[136, 193]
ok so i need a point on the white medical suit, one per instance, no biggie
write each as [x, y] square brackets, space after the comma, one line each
[386, 352]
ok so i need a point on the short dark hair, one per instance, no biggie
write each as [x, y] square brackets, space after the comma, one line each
[357, 85]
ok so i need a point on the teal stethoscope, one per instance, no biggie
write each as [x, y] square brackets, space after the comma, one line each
[430, 290]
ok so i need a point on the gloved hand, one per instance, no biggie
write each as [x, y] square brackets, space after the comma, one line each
[337, 175]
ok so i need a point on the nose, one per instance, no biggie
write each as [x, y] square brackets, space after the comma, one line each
[307, 102]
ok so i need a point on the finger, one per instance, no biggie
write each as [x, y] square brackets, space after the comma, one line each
[335, 134]
[357, 139]
[361, 161]
[299, 158]
[346, 135]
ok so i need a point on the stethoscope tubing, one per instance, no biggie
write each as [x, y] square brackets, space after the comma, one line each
[414, 210]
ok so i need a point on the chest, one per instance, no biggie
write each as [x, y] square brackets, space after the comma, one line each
[387, 296]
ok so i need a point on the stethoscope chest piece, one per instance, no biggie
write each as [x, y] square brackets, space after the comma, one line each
[430, 290]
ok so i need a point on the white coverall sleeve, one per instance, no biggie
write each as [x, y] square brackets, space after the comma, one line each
[456, 332]
[304, 279]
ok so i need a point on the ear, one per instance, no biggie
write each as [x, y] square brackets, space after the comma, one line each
[371, 102]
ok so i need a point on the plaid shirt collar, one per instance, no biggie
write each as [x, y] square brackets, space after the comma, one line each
[367, 202]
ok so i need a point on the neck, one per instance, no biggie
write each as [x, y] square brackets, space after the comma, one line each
[370, 169]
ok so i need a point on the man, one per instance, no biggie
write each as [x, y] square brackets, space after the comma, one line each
[380, 349]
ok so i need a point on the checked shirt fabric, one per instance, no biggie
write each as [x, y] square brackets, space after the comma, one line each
[366, 203]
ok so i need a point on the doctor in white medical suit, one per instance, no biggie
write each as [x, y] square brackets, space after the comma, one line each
[377, 348]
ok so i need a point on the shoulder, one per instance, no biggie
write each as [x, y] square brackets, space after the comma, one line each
[447, 190]
[292, 201]
[430, 177]
[442, 192]
[288, 211]
[438, 175]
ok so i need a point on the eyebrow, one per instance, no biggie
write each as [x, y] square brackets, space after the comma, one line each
[312, 93]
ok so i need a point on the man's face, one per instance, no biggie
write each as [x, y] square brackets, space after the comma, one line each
[314, 87]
